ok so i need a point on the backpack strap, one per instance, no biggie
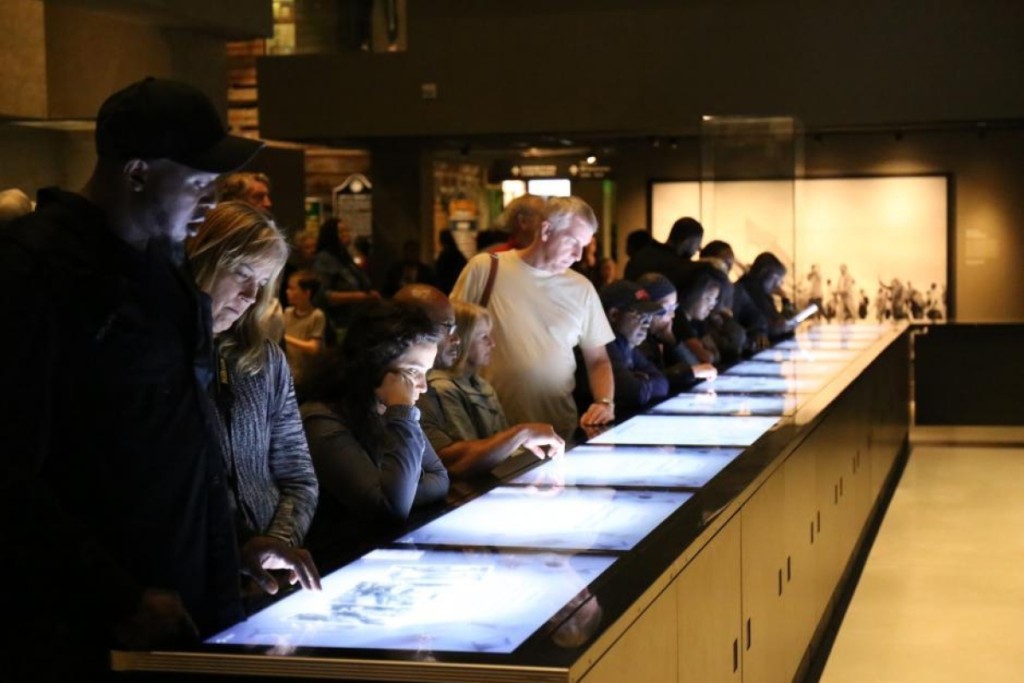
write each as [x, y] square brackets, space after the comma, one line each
[493, 273]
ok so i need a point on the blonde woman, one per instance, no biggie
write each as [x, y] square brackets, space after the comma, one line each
[236, 256]
[476, 436]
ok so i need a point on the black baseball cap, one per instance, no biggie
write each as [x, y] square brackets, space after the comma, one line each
[163, 119]
[627, 295]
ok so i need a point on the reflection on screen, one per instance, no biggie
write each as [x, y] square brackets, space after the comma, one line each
[823, 344]
[777, 355]
[848, 331]
[687, 430]
[786, 368]
[423, 601]
[713, 403]
[738, 384]
[554, 518]
[632, 466]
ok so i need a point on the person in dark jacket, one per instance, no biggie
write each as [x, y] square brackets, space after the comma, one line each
[120, 533]
[673, 256]
[449, 263]
[755, 306]
[372, 460]
[638, 382]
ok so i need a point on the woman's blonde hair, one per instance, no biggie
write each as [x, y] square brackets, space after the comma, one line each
[468, 319]
[232, 234]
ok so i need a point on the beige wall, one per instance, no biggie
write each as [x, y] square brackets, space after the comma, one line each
[23, 55]
[91, 55]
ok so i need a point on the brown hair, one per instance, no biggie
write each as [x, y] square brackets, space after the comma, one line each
[235, 233]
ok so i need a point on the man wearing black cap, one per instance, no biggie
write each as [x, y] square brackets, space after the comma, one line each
[119, 526]
[638, 382]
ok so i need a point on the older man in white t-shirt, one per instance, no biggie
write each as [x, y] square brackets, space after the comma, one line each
[542, 310]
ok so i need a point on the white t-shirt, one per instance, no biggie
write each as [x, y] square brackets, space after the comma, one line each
[538, 318]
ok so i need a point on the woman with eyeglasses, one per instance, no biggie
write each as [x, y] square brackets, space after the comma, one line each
[374, 464]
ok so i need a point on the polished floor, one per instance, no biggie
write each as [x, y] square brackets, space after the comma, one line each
[941, 596]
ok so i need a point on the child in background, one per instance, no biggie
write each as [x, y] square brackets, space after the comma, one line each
[303, 324]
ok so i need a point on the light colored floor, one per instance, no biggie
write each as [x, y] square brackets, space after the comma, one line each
[941, 597]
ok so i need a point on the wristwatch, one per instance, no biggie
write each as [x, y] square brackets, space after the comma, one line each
[605, 401]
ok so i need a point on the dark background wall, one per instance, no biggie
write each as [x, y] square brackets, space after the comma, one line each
[644, 65]
[882, 88]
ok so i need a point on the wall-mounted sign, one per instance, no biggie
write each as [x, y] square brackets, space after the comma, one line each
[353, 201]
[589, 171]
[517, 170]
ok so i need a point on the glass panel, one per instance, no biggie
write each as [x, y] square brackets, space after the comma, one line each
[713, 403]
[777, 355]
[632, 466]
[422, 601]
[737, 384]
[688, 430]
[786, 368]
[557, 518]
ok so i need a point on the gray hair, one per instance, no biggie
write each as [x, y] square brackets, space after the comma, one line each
[523, 205]
[560, 211]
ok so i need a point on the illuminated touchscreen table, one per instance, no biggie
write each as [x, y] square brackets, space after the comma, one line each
[785, 368]
[423, 600]
[823, 344]
[687, 430]
[557, 518]
[646, 466]
[776, 355]
[713, 403]
[739, 384]
[859, 330]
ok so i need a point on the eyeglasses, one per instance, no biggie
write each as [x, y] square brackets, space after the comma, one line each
[450, 326]
[644, 318]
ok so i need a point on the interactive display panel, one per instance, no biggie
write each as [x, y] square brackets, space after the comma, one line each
[553, 518]
[423, 601]
[777, 355]
[687, 430]
[809, 344]
[863, 331]
[632, 466]
[739, 384]
[713, 403]
[785, 368]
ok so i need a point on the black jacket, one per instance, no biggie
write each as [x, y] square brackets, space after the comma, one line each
[111, 480]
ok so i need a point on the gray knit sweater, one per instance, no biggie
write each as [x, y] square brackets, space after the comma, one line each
[266, 456]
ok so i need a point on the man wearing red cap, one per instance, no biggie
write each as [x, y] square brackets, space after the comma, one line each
[120, 530]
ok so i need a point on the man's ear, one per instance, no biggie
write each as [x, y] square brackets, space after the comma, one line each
[613, 315]
[545, 231]
[136, 172]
